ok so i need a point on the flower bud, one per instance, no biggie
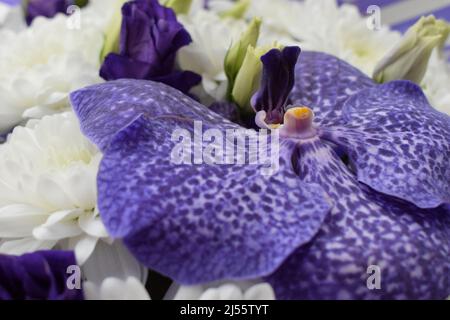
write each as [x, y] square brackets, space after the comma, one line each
[409, 59]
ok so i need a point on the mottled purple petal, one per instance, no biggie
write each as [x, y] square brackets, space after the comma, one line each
[323, 83]
[276, 83]
[107, 108]
[398, 144]
[199, 223]
[37, 276]
[365, 228]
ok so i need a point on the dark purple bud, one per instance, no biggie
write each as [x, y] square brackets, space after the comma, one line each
[149, 40]
[277, 81]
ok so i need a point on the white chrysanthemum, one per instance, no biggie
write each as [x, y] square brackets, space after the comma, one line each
[212, 37]
[39, 66]
[226, 291]
[99, 13]
[48, 192]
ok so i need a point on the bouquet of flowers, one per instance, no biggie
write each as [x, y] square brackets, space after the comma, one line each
[194, 149]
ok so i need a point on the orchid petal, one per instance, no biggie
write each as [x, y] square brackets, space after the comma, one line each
[214, 221]
[323, 83]
[365, 228]
[107, 108]
[398, 144]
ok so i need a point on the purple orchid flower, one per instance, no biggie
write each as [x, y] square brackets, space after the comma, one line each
[149, 40]
[365, 182]
[47, 8]
[41, 275]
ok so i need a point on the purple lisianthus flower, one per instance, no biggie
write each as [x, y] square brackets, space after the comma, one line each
[149, 40]
[46, 8]
[363, 181]
[40, 275]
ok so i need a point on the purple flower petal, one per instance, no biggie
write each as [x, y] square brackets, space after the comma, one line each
[199, 223]
[276, 83]
[410, 245]
[149, 40]
[122, 67]
[180, 80]
[138, 185]
[46, 8]
[107, 108]
[194, 223]
[323, 83]
[37, 276]
[398, 144]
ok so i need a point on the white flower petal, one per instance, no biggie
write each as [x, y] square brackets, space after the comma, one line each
[41, 64]
[262, 291]
[19, 220]
[112, 261]
[225, 292]
[49, 165]
[52, 193]
[84, 246]
[116, 289]
[188, 293]
[92, 225]
[60, 225]
[25, 245]
[240, 290]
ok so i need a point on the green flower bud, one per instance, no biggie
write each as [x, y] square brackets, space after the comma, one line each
[236, 54]
[179, 6]
[409, 59]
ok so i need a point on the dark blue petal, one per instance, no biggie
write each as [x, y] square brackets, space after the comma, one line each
[37, 276]
[122, 67]
[276, 83]
[410, 245]
[181, 80]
